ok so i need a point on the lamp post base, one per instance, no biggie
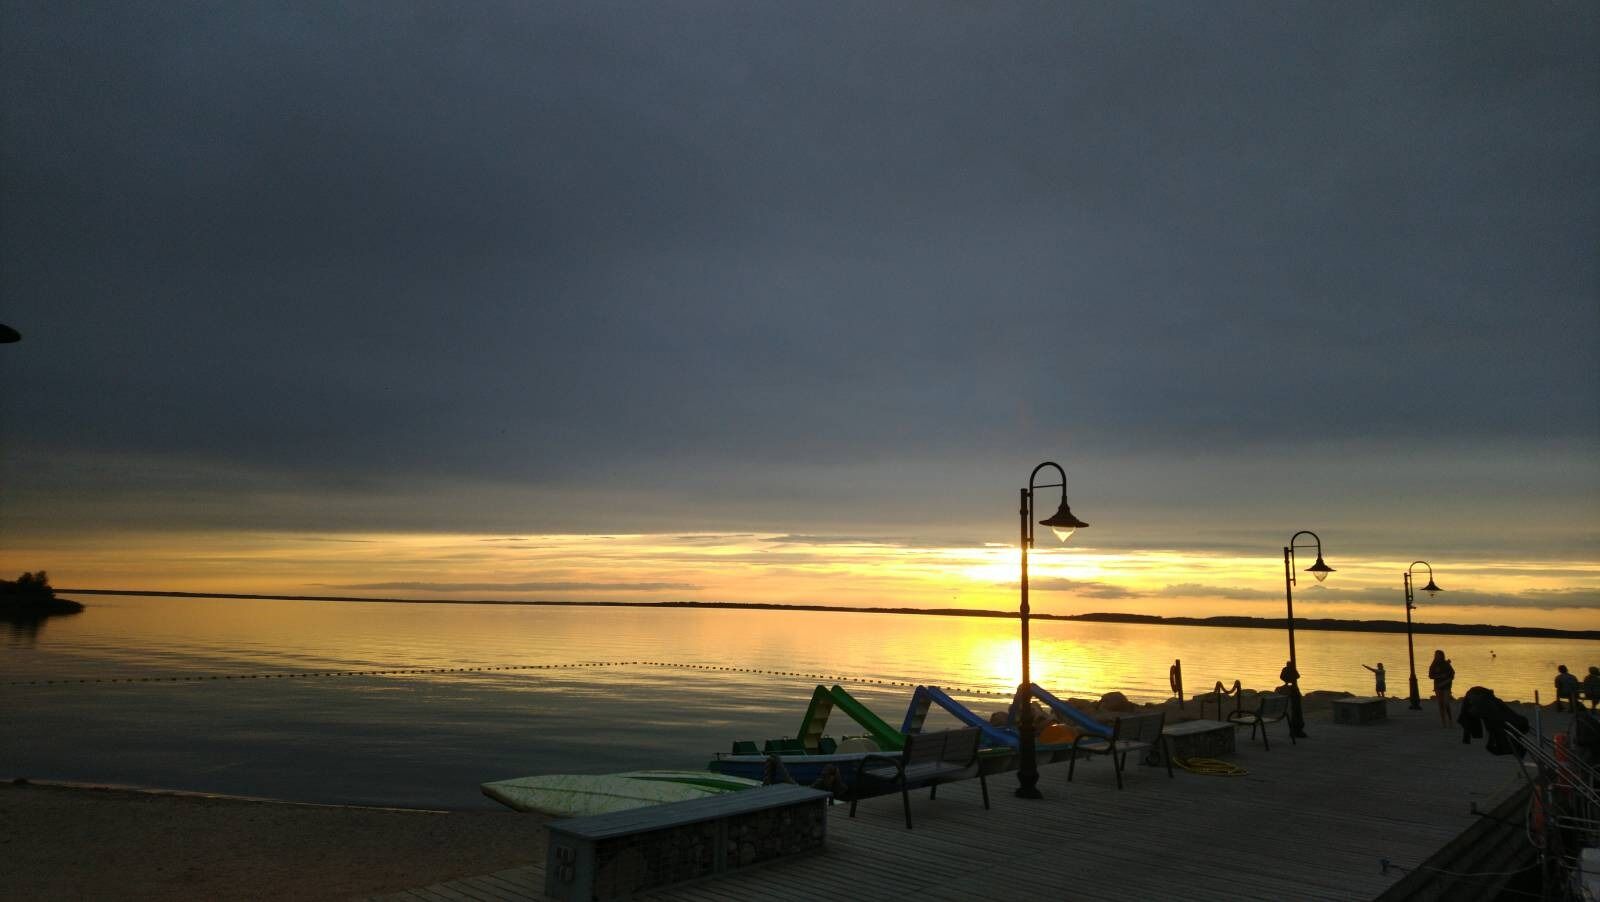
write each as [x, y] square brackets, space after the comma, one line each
[1027, 777]
[1416, 697]
[1297, 717]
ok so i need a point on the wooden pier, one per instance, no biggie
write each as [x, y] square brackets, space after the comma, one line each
[1316, 820]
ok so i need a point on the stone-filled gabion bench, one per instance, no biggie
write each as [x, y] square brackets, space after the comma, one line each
[1199, 739]
[611, 856]
[1360, 710]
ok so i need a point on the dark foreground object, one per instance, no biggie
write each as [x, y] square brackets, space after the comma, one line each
[1476, 865]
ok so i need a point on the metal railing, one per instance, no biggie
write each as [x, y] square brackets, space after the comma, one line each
[1565, 813]
[1218, 692]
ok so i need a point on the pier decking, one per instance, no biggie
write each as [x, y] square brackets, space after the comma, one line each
[1308, 821]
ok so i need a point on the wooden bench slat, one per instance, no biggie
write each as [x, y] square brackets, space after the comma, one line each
[1134, 733]
[928, 759]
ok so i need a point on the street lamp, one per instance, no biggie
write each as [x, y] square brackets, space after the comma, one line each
[1062, 523]
[1432, 589]
[1297, 717]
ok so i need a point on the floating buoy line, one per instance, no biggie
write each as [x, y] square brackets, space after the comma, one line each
[431, 671]
[302, 674]
[827, 678]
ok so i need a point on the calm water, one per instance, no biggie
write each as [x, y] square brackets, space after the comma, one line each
[430, 739]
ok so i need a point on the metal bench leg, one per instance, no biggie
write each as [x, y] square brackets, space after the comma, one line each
[985, 784]
[1291, 736]
[1264, 740]
[1072, 765]
[1117, 761]
[905, 800]
[933, 792]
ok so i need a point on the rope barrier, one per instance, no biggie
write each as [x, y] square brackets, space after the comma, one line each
[283, 675]
[1385, 865]
[831, 678]
[424, 671]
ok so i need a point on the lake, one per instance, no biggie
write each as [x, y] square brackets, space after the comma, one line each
[595, 689]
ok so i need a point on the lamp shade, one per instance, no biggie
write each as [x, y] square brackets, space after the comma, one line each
[1432, 588]
[1062, 522]
[1320, 570]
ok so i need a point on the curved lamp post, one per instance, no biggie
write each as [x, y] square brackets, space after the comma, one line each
[1432, 589]
[1297, 717]
[1062, 523]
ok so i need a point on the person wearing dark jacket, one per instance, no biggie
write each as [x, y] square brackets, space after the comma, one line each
[1566, 688]
[1443, 675]
[1482, 713]
[1290, 675]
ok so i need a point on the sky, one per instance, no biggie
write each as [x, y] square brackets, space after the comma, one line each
[783, 302]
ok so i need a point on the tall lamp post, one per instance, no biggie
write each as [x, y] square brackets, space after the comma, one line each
[1432, 589]
[1297, 717]
[1062, 523]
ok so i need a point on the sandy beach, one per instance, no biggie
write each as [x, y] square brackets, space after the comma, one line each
[79, 843]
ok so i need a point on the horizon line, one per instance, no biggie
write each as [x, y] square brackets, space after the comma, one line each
[1225, 620]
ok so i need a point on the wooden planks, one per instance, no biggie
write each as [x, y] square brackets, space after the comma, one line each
[1308, 821]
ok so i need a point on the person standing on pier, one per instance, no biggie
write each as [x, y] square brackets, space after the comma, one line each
[1379, 679]
[1443, 675]
[1290, 675]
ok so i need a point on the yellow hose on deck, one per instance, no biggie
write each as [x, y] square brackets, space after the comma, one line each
[1210, 767]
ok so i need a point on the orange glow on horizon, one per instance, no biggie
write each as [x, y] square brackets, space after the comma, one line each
[775, 569]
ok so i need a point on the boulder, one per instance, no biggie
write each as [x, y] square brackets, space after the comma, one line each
[1116, 702]
[1322, 699]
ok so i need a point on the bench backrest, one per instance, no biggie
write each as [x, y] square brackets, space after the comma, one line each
[1273, 706]
[1140, 727]
[942, 747]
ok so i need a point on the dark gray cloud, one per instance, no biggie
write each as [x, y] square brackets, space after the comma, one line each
[381, 264]
[1197, 590]
[870, 540]
[1082, 587]
[1543, 599]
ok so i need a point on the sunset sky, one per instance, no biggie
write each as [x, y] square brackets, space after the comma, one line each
[782, 302]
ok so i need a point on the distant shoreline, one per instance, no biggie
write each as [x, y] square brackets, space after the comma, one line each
[1267, 623]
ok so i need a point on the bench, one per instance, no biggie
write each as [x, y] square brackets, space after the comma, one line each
[1360, 710]
[1199, 739]
[609, 856]
[928, 759]
[1134, 733]
[1270, 708]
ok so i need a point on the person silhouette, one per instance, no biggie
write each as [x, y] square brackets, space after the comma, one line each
[1443, 674]
[1290, 675]
[1566, 688]
[1379, 679]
